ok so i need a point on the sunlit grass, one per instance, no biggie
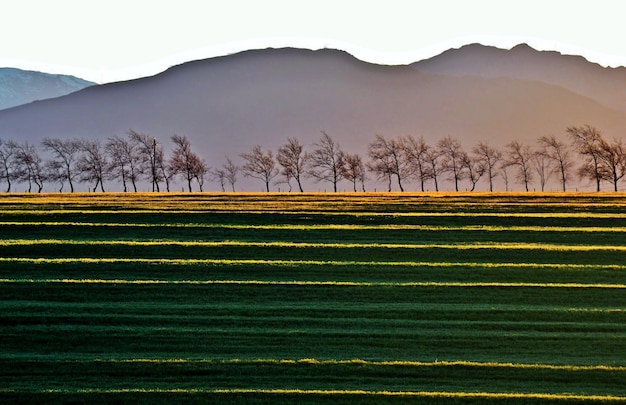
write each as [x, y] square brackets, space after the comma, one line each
[307, 227]
[319, 283]
[305, 245]
[353, 393]
[322, 263]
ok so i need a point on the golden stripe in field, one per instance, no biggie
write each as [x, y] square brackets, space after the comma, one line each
[360, 362]
[303, 227]
[355, 393]
[284, 244]
[345, 212]
[282, 263]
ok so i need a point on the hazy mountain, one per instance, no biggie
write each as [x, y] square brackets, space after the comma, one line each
[605, 85]
[23, 86]
[228, 104]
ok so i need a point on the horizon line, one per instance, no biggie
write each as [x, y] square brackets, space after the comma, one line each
[380, 57]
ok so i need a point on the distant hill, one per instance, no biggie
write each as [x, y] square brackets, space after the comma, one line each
[228, 104]
[572, 72]
[23, 86]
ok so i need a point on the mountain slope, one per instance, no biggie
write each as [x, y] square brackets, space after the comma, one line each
[227, 105]
[22, 86]
[605, 85]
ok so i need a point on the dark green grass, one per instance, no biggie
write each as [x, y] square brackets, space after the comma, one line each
[64, 342]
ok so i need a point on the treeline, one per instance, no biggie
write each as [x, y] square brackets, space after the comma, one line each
[583, 152]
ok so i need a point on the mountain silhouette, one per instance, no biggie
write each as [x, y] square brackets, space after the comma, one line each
[19, 86]
[226, 105]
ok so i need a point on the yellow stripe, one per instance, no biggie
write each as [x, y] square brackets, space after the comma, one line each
[360, 362]
[425, 394]
[261, 262]
[459, 246]
[481, 228]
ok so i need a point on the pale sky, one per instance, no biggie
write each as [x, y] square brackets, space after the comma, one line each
[111, 40]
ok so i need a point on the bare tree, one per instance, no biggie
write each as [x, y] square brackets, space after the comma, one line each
[230, 172]
[452, 154]
[354, 170]
[152, 157]
[66, 153]
[613, 158]
[489, 158]
[382, 166]
[293, 161]
[8, 150]
[475, 168]
[30, 167]
[559, 154]
[326, 161]
[391, 152]
[520, 156]
[260, 165]
[126, 161]
[92, 163]
[587, 140]
[219, 174]
[541, 164]
[505, 175]
[415, 152]
[200, 172]
[185, 163]
[432, 158]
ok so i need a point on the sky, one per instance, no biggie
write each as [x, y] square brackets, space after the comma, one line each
[113, 40]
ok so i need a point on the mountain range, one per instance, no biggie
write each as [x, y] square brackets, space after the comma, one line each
[226, 105]
[19, 86]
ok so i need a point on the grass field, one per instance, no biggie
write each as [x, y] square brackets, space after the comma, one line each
[313, 298]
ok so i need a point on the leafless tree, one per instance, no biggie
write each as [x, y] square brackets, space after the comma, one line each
[220, 175]
[126, 161]
[230, 172]
[326, 161]
[540, 162]
[519, 155]
[613, 157]
[186, 163]
[152, 157]
[30, 166]
[415, 152]
[354, 170]
[489, 157]
[200, 172]
[559, 154]
[8, 150]
[452, 154]
[293, 161]
[382, 166]
[475, 168]
[432, 158]
[587, 142]
[505, 175]
[260, 165]
[66, 153]
[391, 152]
[92, 163]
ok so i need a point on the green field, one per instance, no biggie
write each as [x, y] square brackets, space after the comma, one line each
[313, 298]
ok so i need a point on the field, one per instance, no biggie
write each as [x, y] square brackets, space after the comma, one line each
[313, 298]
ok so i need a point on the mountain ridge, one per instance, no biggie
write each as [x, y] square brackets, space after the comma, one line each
[18, 87]
[228, 104]
[604, 84]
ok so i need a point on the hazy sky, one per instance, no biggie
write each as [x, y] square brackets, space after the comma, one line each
[109, 40]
